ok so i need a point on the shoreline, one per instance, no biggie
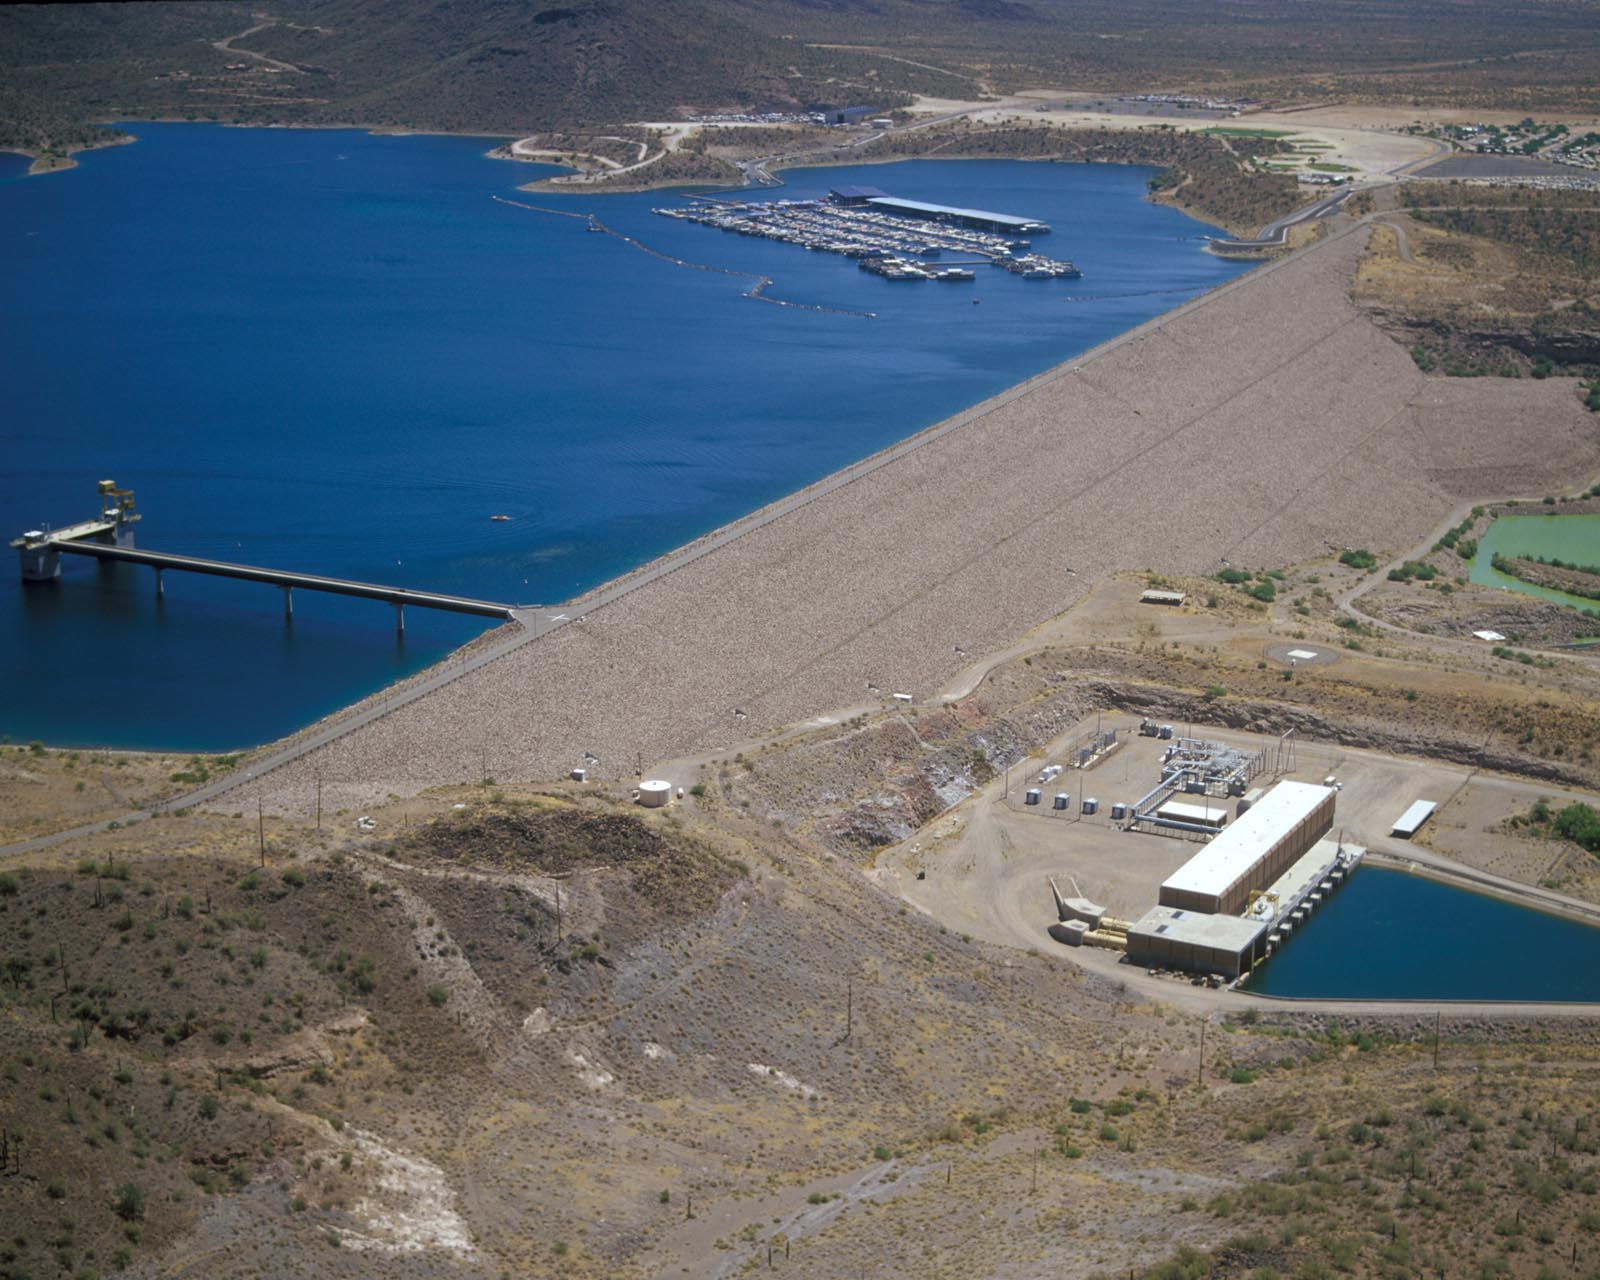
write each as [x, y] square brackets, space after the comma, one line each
[348, 715]
[40, 166]
[624, 583]
[687, 553]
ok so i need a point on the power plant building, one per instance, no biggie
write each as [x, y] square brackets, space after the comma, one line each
[1173, 938]
[1252, 853]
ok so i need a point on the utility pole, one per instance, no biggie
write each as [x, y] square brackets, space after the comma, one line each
[1200, 1067]
[1438, 1016]
[319, 802]
[849, 1007]
[261, 832]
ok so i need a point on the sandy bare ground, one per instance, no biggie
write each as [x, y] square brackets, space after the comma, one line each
[1371, 145]
[1264, 427]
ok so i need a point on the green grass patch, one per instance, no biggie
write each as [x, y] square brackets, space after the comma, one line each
[1234, 131]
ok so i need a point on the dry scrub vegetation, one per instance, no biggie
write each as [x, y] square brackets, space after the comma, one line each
[1489, 280]
[1214, 178]
[44, 789]
[394, 1057]
[532, 1030]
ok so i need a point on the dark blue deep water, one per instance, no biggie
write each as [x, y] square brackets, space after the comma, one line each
[1388, 935]
[335, 352]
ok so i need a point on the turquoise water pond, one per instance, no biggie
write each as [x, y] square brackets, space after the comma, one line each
[1573, 538]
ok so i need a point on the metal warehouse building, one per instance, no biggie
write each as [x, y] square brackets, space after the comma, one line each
[1253, 852]
[980, 219]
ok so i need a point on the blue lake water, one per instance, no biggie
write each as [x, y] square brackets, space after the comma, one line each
[1388, 935]
[334, 352]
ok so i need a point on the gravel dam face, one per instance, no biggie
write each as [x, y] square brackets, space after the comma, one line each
[1266, 423]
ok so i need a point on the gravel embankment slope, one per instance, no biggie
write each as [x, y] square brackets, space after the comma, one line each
[1262, 427]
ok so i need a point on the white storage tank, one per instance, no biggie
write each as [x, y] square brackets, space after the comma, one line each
[654, 793]
[1090, 804]
[1119, 811]
[1031, 796]
[1063, 800]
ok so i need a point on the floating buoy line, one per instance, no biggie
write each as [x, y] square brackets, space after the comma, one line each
[756, 290]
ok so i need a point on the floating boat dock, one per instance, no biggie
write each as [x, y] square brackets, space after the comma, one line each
[110, 538]
[892, 238]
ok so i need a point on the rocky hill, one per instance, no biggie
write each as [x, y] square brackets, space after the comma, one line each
[497, 66]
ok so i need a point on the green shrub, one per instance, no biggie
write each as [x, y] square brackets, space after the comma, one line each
[438, 994]
[130, 1202]
[1358, 558]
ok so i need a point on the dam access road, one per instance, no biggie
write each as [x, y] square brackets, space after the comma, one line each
[1264, 423]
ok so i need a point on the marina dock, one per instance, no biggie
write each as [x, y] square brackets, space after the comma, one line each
[891, 238]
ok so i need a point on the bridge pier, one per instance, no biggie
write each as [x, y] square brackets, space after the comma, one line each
[40, 562]
[161, 586]
[288, 604]
[399, 619]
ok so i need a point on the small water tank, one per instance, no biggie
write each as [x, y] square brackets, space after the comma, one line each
[1062, 800]
[1090, 804]
[1119, 811]
[654, 792]
[1032, 796]
[579, 775]
[1165, 731]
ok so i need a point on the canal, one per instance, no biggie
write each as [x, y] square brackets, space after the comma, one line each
[1390, 935]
